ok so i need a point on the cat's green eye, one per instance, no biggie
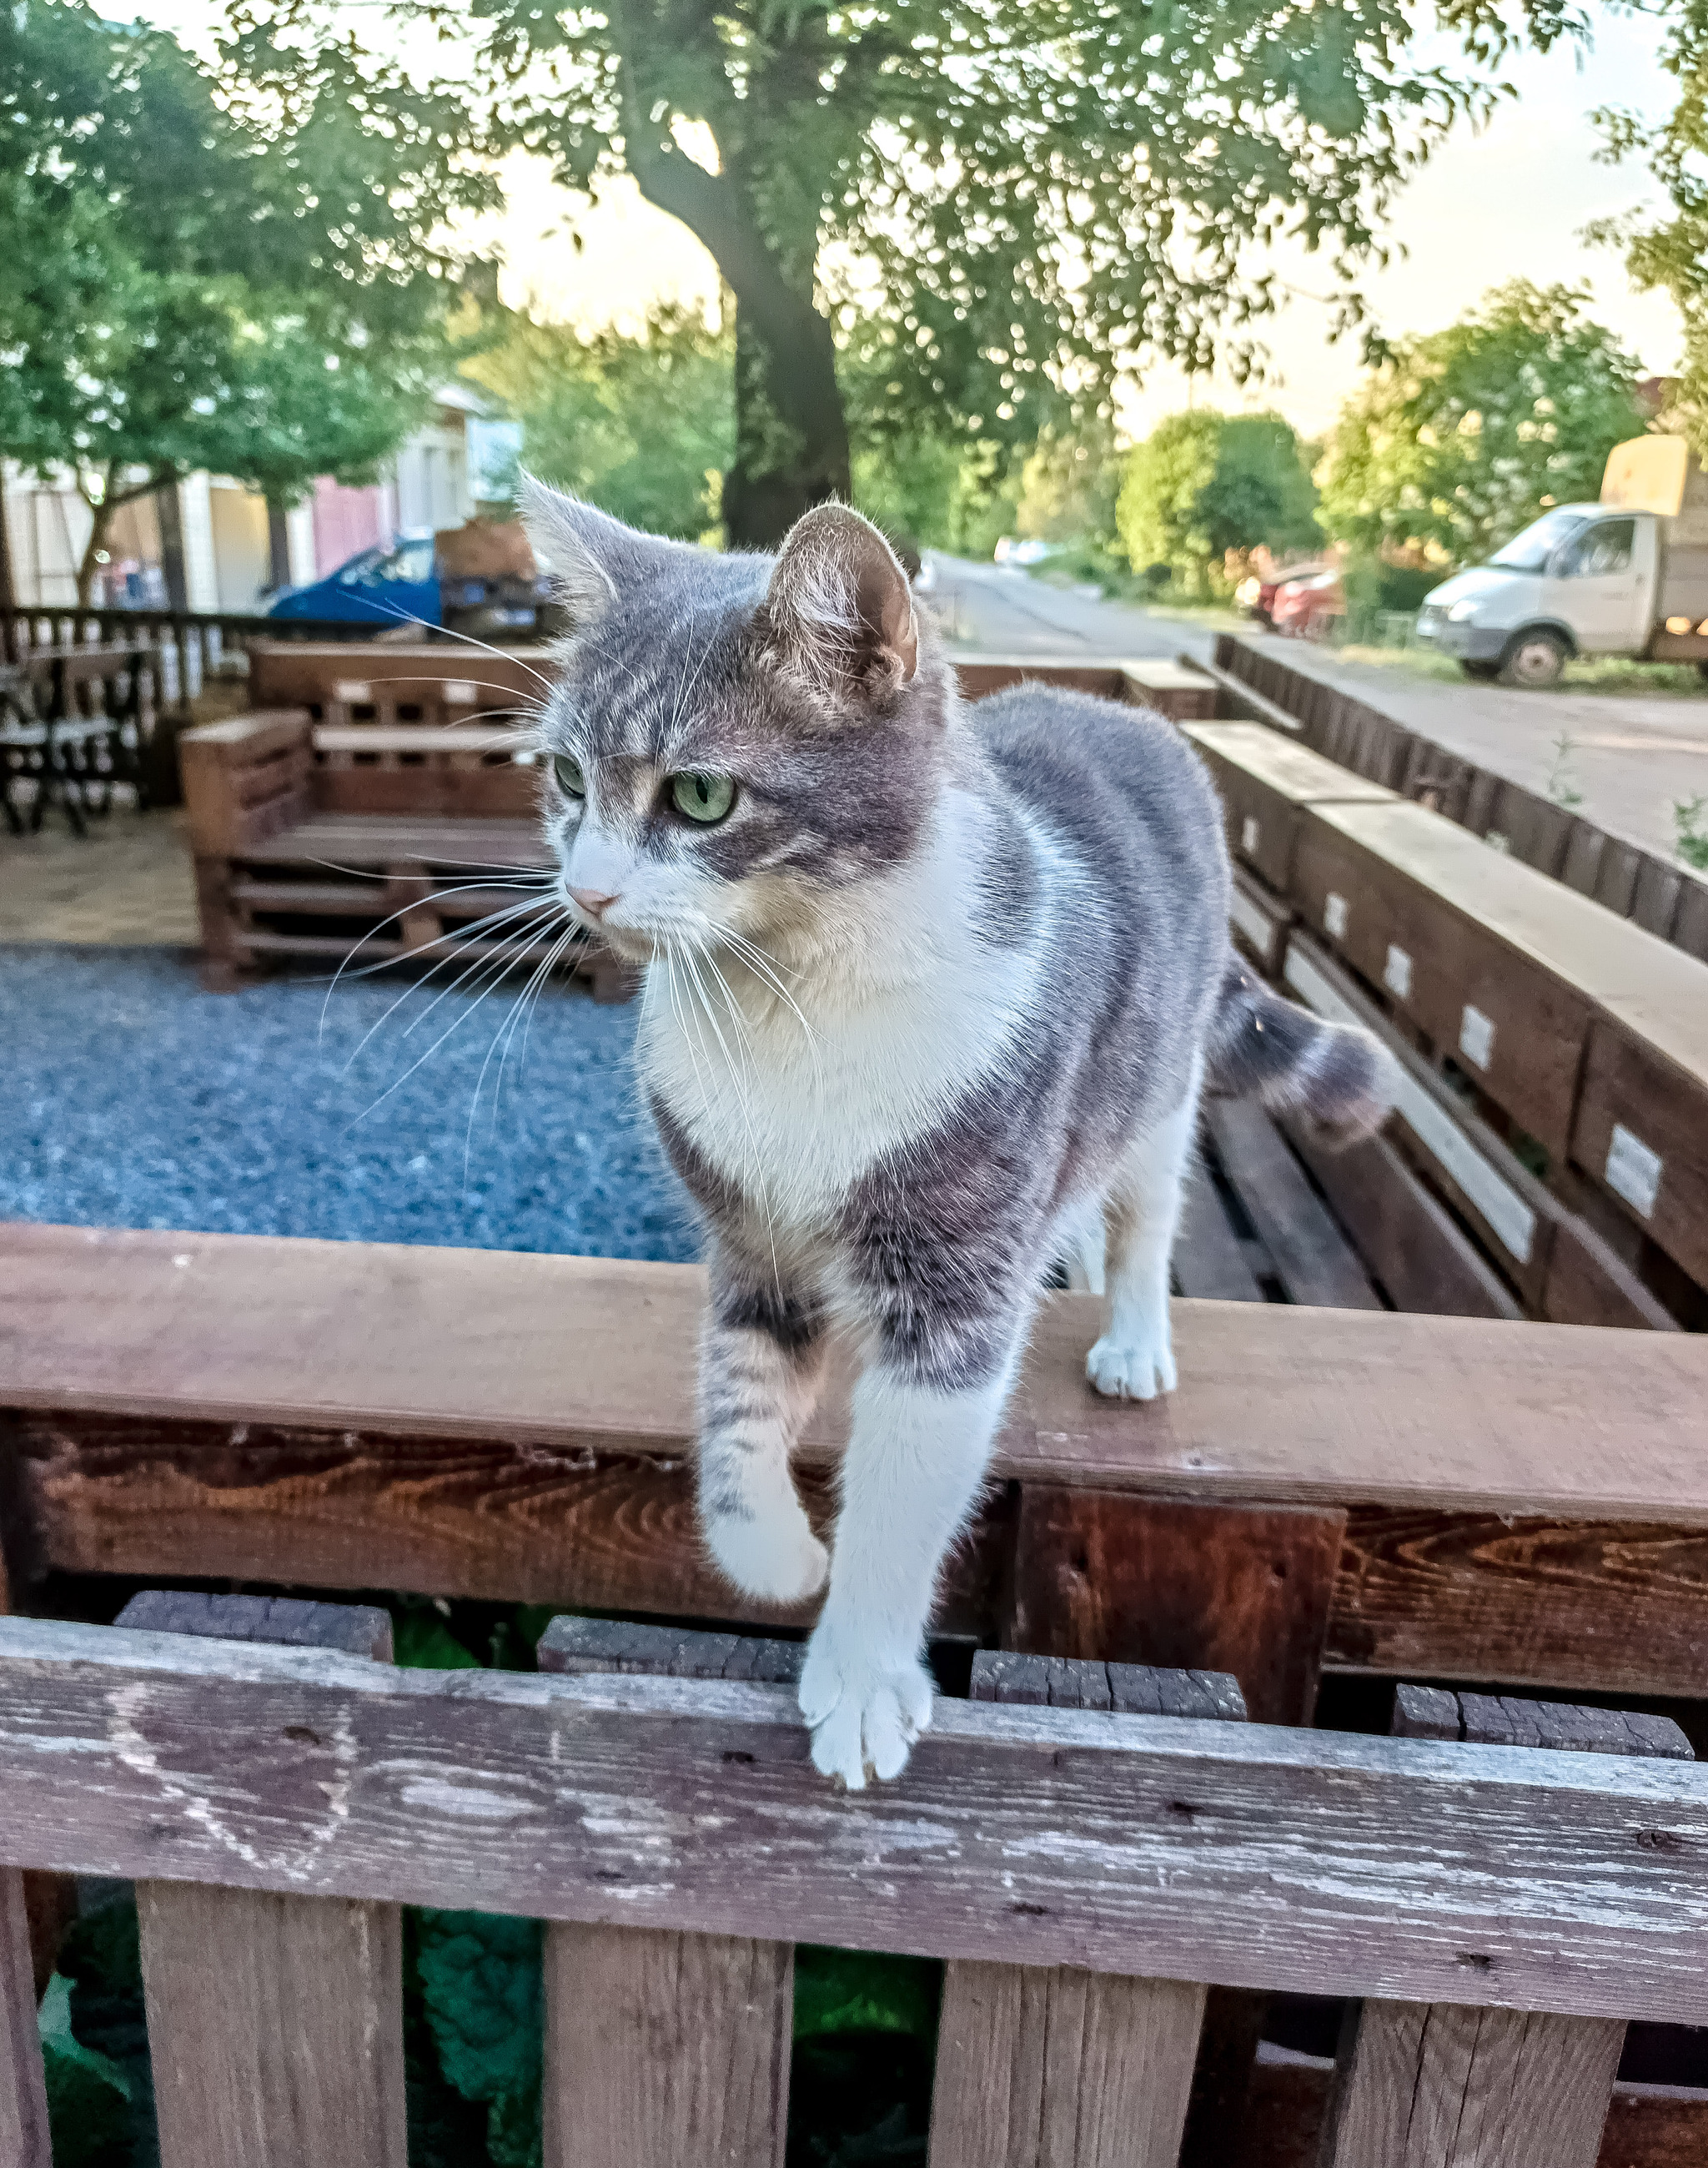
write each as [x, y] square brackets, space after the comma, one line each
[703, 798]
[568, 771]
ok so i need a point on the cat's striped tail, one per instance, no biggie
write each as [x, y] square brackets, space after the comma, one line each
[1261, 1047]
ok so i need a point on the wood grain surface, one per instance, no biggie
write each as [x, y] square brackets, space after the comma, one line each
[24, 2137]
[1247, 1855]
[665, 2049]
[1440, 2087]
[1244, 1590]
[275, 2022]
[1057, 2068]
[1314, 1261]
[1275, 1402]
[1615, 1607]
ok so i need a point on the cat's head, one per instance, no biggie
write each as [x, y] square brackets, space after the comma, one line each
[737, 741]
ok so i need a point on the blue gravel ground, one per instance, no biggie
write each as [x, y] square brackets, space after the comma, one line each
[133, 1099]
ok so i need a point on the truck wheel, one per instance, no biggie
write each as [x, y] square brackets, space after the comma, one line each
[1484, 672]
[1534, 660]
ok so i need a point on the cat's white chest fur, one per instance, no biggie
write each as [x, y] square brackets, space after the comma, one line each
[793, 1100]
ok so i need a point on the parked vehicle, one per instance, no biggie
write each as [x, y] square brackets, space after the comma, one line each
[1626, 576]
[480, 578]
[1308, 605]
[1256, 594]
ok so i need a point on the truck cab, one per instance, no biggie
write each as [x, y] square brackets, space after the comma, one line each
[1581, 580]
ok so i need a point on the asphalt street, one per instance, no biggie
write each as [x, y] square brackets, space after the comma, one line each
[1629, 757]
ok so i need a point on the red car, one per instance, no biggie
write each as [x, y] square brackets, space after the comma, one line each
[1258, 593]
[1307, 605]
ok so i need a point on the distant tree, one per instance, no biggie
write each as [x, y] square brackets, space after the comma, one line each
[1665, 246]
[641, 425]
[1464, 436]
[257, 284]
[1031, 194]
[1068, 485]
[1204, 486]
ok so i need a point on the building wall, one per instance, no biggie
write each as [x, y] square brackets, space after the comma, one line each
[347, 521]
[241, 556]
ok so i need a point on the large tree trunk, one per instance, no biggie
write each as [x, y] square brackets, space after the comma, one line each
[791, 440]
[278, 544]
[762, 232]
[101, 519]
[170, 514]
[8, 592]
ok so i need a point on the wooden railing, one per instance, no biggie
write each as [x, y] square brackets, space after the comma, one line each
[1085, 1874]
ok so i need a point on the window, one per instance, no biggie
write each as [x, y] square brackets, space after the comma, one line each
[1530, 551]
[1605, 548]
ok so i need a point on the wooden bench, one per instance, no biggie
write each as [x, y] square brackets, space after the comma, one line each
[311, 840]
[442, 684]
[1085, 1873]
[1437, 1147]
[1177, 689]
[1655, 893]
[1265, 781]
[1500, 966]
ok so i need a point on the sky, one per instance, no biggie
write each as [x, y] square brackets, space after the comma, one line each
[1509, 201]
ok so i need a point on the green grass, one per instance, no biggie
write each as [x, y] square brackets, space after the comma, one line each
[1605, 673]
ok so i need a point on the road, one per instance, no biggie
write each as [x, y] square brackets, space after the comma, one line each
[1630, 757]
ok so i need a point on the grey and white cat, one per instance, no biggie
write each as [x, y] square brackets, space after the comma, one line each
[931, 990]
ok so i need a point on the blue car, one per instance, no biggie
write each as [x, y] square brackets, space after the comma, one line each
[399, 584]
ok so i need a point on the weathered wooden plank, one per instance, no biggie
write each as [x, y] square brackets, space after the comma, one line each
[1315, 1262]
[1505, 1720]
[1441, 2086]
[666, 2047]
[1405, 1239]
[359, 1630]
[1243, 1590]
[426, 1344]
[662, 2049]
[275, 2026]
[1616, 1607]
[1642, 1126]
[1126, 1689]
[1253, 1856]
[1061, 2068]
[1207, 1259]
[585, 1645]
[1647, 2126]
[24, 2139]
[275, 2022]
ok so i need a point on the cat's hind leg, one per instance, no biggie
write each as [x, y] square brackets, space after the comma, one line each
[1134, 1359]
[761, 1362]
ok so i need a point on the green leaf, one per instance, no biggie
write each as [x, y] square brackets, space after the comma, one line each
[856, 1992]
[481, 1986]
[424, 1643]
[88, 2095]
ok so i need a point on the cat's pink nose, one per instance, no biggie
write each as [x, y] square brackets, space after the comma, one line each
[593, 901]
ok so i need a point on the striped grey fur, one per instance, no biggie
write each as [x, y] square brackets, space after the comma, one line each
[935, 1001]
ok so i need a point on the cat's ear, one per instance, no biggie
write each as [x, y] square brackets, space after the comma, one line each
[840, 610]
[589, 557]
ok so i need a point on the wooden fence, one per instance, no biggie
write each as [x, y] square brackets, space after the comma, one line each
[1498, 1913]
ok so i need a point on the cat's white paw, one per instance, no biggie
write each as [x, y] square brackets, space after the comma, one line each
[1137, 1368]
[774, 1556]
[865, 1711]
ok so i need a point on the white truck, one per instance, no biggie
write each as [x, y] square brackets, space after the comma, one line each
[1628, 576]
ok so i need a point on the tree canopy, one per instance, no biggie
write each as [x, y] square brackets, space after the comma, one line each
[238, 268]
[642, 426]
[1464, 436]
[1029, 195]
[1203, 486]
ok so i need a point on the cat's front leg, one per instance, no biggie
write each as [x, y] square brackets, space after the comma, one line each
[916, 1457]
[762, 1359]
